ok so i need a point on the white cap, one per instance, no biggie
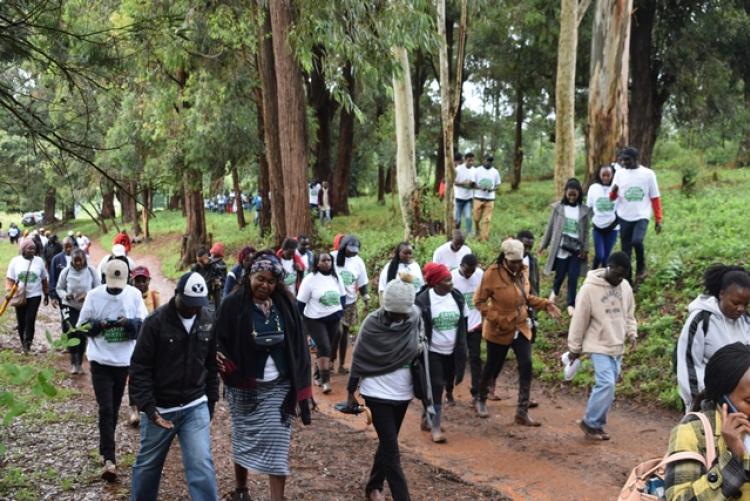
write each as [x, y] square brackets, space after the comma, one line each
[116, 273]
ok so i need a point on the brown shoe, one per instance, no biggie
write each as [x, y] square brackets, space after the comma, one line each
[437, 436]
[524, 420]
[481, 408]
[109, 472]
[592, 433]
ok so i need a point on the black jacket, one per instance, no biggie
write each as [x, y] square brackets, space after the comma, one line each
[170, 367]
[459, 351]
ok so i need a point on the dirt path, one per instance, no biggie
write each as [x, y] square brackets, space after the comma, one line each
[483, 459]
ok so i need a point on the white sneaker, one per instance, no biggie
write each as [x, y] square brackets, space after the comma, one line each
[109, 472]
[571, 310]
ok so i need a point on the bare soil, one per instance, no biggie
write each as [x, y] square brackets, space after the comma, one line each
[483, 458]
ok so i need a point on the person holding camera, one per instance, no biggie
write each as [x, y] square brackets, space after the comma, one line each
[567, 236]
[111, 316]
[213, 270]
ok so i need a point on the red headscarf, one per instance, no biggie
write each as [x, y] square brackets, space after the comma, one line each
[435, 273]
[337, 240]
[217, 250]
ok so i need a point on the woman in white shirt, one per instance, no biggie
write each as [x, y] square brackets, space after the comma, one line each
[444, 317]
[383, 366]
[28, 274]
[604, 227]
[402, 265]
[320, 299]
[567, 238]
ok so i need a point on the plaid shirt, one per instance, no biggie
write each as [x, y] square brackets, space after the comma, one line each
[689, 480]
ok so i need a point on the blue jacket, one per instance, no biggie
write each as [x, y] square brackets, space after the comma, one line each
[58, 264]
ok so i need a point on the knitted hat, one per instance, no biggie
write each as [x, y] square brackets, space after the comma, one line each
[434, 273]
[512, 249]
[398, 296]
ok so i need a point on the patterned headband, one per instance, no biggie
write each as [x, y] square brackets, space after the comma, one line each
[267, 263]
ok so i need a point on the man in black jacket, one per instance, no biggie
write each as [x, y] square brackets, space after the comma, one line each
[174, 382]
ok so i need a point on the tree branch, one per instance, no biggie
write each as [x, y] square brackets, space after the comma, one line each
[583, 6]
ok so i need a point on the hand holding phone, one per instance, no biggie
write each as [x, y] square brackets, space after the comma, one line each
[735, 428]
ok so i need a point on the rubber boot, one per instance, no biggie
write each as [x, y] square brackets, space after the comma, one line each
[437, 433]
[522, 412]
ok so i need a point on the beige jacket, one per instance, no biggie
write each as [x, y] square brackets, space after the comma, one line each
[604, 316]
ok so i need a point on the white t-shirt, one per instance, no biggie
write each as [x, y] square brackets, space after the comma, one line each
[111, 347]
[445, 317]
[270, 371]
[487, 181]
[321, 295]
[187, 323]
[290, 275]
[353, 275]
[36, 273]
[570, 227]
[314, 193]
[636, 189]
[467, 287]
[464, 174]
[396, 385]
[412, 269]
[445, 255]
[604, 208]
[83, 243]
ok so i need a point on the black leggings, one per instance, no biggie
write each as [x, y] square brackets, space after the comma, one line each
[496, 354]
[70, 319]
[109, 386]
[324, 333]
[26, 318]
[387, 416]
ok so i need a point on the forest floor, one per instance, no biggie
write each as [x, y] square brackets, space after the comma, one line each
[52, 453]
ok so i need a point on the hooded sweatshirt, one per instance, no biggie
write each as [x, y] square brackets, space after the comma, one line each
[604, 316]
[75, 282]
[720, 332]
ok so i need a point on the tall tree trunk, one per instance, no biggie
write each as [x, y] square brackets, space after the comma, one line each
[565, 88]
[381, 183]
[69, 212]
[743, 151]
[439, 161]
[108, 202]
[406, 164]
[238, 196]
[390, 175]
[646, 99]
[148, 205]
[345, 152]
[325, 107]
[267, 72]
[608, 85]
[421, 72]
[264, 188]
[196, 235]
[175, 200]
[518, 144]
[216, 185]
[292, 132]
[133, 207]
[50, 199]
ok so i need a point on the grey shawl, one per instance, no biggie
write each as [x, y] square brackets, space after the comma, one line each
[553, 234]
[382, 348]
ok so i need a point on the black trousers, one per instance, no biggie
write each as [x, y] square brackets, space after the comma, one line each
[69, 320]
[474, 344]
[632, 234]
[325, 334]
[496, 354]
[387, 416]
[442, 374]
[26, 318]
[109, 386]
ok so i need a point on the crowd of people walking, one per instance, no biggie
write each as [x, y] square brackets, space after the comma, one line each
[274, 326]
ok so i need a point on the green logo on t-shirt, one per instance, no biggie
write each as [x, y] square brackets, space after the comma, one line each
[115, 335]
[571, 226]
[347, 277]
[486, 184]
[290, 278]
[330, 298]
[604, 204]
[634, 194]
[469, 298]
[32, 277]
[446, 321]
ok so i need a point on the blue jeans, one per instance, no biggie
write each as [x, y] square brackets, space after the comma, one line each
[569, 267]
[604, 242]
[192, 426]
[606, 370]
[463, 212]
[632, 235]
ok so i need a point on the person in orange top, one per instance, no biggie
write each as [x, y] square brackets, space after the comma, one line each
[123, 239]
[141, 279]
[504, 298]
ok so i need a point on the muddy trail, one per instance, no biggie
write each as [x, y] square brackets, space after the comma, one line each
[482, 459]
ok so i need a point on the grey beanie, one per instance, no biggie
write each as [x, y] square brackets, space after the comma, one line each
[398, 296]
